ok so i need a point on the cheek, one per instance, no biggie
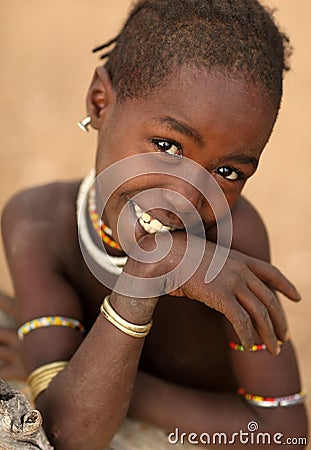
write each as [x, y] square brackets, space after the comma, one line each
[214, 210]
[233, 195]
[108, 151]
[102, 161]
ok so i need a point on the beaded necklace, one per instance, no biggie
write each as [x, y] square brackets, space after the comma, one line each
[103, 231]
[112, 264]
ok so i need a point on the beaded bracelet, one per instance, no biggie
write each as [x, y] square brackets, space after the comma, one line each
[40, 379]
[240, 348]
[49, 321]
[138, 331]
[272, 402]
[255, 347]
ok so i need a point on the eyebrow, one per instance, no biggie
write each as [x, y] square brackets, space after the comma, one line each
[189, 132]
[180, 127]
[241, 159]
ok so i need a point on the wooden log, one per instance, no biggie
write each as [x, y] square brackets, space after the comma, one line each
[20, 424]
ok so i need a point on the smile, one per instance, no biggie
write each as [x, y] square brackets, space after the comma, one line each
[150, 224]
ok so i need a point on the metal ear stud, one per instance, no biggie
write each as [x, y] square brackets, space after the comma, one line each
[83, 124]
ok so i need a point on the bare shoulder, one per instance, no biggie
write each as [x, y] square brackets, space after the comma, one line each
[34, 201]
[39, 216]
[249, 231]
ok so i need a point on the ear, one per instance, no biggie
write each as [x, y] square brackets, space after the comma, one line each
[100, 95]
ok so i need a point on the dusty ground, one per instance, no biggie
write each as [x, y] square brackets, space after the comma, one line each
[46, 66]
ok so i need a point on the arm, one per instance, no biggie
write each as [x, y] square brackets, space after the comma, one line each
[86, 403]
[172, 406]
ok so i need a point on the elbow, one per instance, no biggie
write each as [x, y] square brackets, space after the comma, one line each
[67, 438]
[65, 435]
[71, 426]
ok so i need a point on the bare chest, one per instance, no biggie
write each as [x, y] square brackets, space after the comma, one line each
[188, 345]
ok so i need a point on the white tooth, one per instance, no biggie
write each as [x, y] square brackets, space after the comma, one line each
[146, 217]
[143, 224]
[164, 228]
[138, 215]
[147, 227]
[137, 208]
[156, 224]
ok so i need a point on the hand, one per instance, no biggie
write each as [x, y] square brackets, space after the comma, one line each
[8, 305]
[11, 366]
[243, 290]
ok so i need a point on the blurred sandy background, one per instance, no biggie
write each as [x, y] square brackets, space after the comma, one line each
[46, 65]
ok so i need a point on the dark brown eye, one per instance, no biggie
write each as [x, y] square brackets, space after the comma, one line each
[228, 173]
[169, 147]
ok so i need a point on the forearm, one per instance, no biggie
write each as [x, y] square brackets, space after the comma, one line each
[178, 409]
[86, 403]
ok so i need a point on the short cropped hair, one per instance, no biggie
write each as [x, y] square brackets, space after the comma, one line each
[239, 37]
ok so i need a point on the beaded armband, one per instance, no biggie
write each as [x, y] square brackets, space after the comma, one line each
[49, 321]
[272, 402]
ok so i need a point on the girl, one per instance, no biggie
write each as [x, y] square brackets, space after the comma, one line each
[188, 89]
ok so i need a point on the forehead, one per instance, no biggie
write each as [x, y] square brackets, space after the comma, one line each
[209, 103]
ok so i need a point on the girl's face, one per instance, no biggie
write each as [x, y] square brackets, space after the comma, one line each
[220, 123]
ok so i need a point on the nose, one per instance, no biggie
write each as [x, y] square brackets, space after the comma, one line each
[182, 198]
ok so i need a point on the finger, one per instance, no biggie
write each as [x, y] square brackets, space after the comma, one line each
[13, 372]
[273, 277]
[273, 305]
[239, 319]
[8, 337]
[261, 319]
[8, 354]
[7, 304]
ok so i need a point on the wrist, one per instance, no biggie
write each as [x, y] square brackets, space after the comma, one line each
[135, 310]
[160, 254]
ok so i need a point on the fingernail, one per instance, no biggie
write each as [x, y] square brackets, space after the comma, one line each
[287, 336]
[278, 350]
